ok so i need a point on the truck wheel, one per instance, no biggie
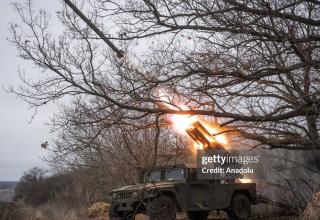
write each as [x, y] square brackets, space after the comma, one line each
[113, 215]
[162, 208]
[240, 207]
[198, 215]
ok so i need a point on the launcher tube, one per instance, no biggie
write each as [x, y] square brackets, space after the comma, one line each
[94, 28]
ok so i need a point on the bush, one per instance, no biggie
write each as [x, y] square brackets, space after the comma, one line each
[99, 209]
[32, 187]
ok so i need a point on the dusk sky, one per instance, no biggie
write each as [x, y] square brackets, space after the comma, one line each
[20, 139]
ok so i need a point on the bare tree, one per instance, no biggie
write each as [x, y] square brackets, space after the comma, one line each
[115, 150]
[33, 181]
[253, 64]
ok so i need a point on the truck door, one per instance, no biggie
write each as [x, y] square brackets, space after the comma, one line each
[220, 194]
[198, 193]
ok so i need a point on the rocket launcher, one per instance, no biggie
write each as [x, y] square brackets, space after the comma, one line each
[202, 136]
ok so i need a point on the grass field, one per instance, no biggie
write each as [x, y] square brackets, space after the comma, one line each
[17, 211]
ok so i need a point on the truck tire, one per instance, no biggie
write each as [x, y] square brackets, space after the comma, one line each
[162, 207]
[113, 215]
[240, 207]
[198, 215]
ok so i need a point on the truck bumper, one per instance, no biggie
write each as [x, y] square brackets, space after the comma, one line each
[125, 206]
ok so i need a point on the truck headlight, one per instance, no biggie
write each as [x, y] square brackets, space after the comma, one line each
[135, 195]
[114, 196]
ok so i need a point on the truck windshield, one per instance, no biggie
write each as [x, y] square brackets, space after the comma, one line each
[175, 174]
[153, 176]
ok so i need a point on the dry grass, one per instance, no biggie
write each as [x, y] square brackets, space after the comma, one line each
[19, 211]
[312, 211]
[61, 212]
[98, 210]
[11, 210]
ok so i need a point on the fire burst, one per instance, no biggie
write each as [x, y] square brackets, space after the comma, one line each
[204, 133]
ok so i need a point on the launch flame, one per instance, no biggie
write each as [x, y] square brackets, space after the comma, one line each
[183, 123]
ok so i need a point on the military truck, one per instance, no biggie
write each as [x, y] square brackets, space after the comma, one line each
[165, 190]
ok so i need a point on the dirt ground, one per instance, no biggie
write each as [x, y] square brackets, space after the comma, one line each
[221, 216]
[183, 216]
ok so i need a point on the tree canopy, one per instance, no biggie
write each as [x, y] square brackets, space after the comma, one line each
[253, 65]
